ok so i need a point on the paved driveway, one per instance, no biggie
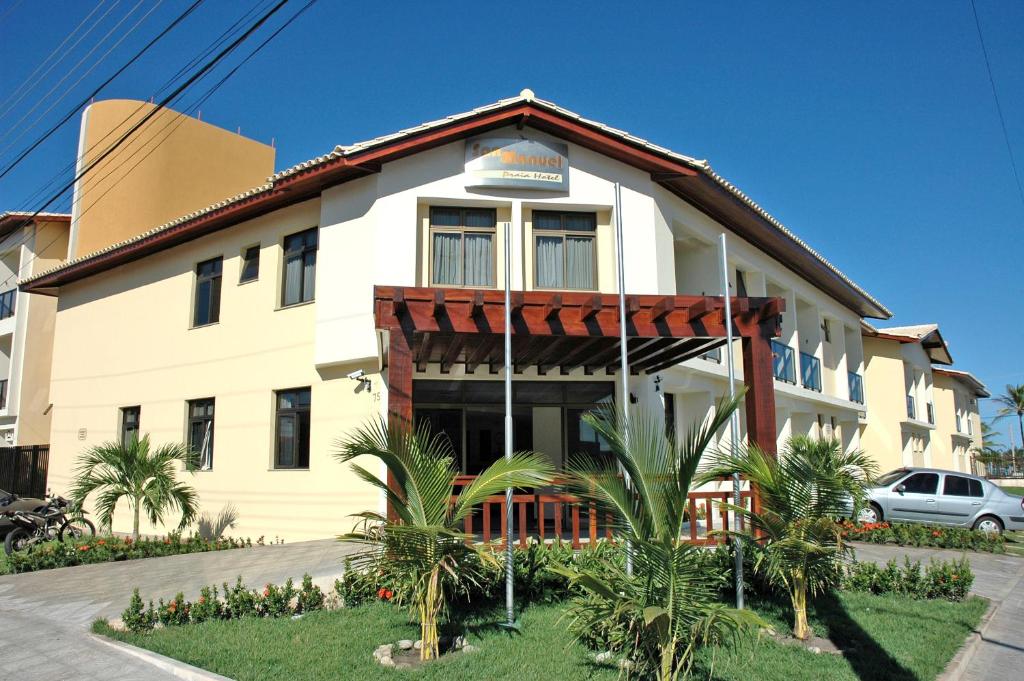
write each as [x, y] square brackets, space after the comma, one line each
[1000, 657]
[45, 616]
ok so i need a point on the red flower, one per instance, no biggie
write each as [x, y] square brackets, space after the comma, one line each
[83, 547]
[167, 541]
[266, 591]
[172, 606]
[202, 599]
[101, 542]
[381, 591]
[936, 533]
[389, 594]
[128, 540]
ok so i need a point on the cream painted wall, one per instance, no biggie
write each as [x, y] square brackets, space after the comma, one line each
[885, 402]
[124, 339]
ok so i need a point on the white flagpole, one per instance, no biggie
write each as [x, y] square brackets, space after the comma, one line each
[734, 420]
[623, 341]
[509, 591]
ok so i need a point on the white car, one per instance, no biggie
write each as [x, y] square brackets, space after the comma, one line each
[938, 497]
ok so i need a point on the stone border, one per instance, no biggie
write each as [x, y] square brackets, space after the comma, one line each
[167, 664]
[956, 667]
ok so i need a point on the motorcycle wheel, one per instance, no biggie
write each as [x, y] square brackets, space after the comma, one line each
[17, 539]
[76, 528]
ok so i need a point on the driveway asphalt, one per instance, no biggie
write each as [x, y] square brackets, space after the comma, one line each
[45, 616]
[1000, 578]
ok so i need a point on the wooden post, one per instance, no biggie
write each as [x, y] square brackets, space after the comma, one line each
[760, 398]
[399, 389]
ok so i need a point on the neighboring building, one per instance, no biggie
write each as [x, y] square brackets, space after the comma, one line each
[957, 421]
[235, 327]
[29, 244]
[917, 414]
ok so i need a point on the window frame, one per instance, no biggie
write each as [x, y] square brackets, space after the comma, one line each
[462, 230]
[294, 413]
[193, 419]
[122, 413]
[301, 253]
[216, 291]
[564, 234]
[244, 260]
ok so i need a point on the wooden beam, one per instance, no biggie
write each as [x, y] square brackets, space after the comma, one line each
[398, 301]
[576, 357]
[556, 349]
[481, 351]
[684, 351]
[518, 300]
[477, 306]
[601, 359]
[423, 353]
[553, 306]
[663, 307]
[665, 355]
[590, 307]
[702, 308]
[452, 353]
[399, 389]
[438, 309]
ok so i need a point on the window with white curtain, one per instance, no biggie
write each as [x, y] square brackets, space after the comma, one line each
[462, 246]
[565, 255]
[299, 268]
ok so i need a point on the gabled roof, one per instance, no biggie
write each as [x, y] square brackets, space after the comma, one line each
[13, 219]
[691, 179]
[927, 335]
[968, 379]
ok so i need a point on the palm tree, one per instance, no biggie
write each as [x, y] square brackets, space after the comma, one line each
[425, 540]
[147, 478]
[670, 604]
[802, 493]
[1011, 403]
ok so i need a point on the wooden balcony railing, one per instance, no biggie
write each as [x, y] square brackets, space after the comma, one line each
[557, 516]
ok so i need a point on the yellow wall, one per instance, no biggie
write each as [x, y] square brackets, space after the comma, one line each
[884, 402]
[953, 445]
[123, 339]
[50, 246]
[172, 166]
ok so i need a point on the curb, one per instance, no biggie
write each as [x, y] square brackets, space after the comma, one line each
[171, 666]
[956, 667]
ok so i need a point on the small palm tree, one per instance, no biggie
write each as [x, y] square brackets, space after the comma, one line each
[425, 540]
[1011, 403]
[146, 477]
[670, 605]
[802, 493]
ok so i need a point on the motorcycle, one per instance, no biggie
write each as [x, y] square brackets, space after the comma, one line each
[47, 523]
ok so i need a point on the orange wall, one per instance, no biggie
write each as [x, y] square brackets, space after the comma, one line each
[172, 166]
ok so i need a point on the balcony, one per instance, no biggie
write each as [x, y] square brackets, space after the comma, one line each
[856, 383]
[810, 372]
[911, 408]
[7, 299]
[783, 362]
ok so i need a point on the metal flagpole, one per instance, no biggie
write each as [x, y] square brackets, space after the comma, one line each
[509, 595]
[623, 340]
[734, 420]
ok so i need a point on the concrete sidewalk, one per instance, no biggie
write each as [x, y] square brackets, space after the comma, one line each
[45, 616]
[1000, 578]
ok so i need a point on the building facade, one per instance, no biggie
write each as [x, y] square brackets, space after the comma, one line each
[248, 329]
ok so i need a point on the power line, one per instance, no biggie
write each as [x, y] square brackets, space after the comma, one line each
[32, 147]
[163, 104]
[999, 108]
[194, 107]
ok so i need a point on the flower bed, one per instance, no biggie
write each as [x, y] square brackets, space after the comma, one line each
[910, 534]
[108, 549]
[950, 581]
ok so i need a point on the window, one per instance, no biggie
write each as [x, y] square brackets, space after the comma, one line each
[130, 418]
[741, 284]
[250, 265]
[207, 303]
[826, 330]
[292, 449]
[462, 246]
[956, 486]
[564, 252]
[670, 415]
[922, 483]
[299, 268]
[200, 432]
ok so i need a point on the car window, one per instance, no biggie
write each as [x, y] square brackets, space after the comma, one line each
[957, 486]
[891, 476]
[976, 488]
[922, 483]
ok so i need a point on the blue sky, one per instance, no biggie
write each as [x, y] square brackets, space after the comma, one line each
[867, 128]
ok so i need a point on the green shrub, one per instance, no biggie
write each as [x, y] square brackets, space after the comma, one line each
[310, 596]
[208, 606]
[239, 601]
[134, 617]
[106, 549]
[277, 600]
[948, 580]
[912, 534]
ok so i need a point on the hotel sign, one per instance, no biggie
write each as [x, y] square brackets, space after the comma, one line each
[525, 164]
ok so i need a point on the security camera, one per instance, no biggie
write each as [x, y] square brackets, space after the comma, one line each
[357, 374]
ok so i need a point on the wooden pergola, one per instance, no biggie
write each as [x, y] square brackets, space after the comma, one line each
[569, 330]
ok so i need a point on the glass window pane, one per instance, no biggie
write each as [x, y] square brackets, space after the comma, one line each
[292, 280]
[214, 314]
[447, 259]
[438, 392]
[589, 393]
[447, 423]
[580, 222]
[286, 440]
[480, 218]
[250, 264]
[309, 276]
[549, 262]
[579, 266]
[976, 490]
[547, 220]
[537, 392]
[922, 483]
[485, 392]
[956, 486]
[302, 445]
[479, 256]
[445, 217]
[202, 313]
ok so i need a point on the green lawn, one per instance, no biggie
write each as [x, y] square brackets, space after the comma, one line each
[887, 638]
[1013, 490]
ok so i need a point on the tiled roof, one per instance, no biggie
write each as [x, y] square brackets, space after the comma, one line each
[526, 96]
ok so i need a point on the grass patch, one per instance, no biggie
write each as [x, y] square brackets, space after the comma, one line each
[1013, 490]
[885, 638]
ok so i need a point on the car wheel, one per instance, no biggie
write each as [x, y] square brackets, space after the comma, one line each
[870, 514]
[990, 524]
